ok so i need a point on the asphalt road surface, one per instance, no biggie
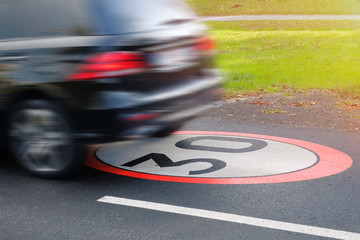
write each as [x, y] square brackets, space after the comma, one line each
[98, 205]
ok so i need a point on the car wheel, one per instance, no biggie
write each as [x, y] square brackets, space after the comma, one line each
[40, 139]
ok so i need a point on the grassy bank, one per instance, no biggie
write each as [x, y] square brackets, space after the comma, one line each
[240, 7]
[271, 55]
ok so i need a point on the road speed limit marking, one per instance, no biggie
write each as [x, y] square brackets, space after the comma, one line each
[219, 158]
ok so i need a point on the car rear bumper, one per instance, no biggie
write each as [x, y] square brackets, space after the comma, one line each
[120, 115]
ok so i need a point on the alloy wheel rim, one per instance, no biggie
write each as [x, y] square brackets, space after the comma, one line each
[40, 139]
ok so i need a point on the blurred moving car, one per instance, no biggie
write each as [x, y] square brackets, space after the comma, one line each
[76, 72]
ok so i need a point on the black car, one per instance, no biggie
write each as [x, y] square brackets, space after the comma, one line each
[75, 72]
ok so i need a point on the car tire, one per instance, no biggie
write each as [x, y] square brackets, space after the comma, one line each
[40, 138]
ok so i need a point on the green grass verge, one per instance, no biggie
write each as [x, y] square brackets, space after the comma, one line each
[271, 55]
[240, 7]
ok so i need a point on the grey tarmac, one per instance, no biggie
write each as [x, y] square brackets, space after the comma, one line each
[33, 208]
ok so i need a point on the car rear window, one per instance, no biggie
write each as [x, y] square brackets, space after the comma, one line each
[120, 16]
[38, 18]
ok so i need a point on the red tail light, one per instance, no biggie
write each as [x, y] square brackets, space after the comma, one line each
[205, 46]
[109, 65]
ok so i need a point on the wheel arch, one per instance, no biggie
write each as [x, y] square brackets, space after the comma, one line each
[33, 92]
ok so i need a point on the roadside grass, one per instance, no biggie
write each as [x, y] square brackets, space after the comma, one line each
[274, 56]
[246, 7]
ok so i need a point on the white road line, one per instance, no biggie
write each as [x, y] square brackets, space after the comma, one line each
[281, 17]
[291, 227]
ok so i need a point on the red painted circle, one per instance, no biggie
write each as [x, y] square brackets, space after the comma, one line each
[330, 162]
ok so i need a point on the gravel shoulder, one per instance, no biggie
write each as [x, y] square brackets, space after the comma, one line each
[313, 108]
